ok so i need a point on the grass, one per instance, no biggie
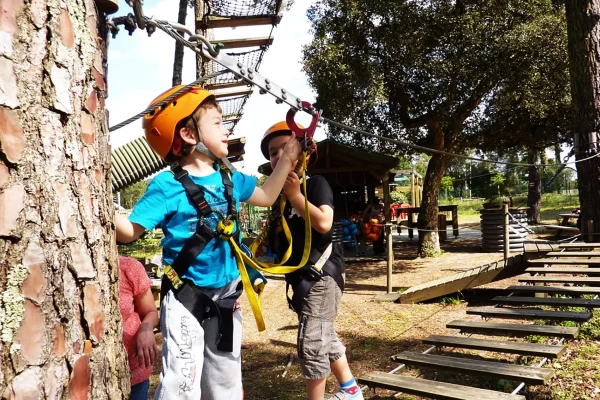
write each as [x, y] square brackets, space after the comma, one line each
[552, 205]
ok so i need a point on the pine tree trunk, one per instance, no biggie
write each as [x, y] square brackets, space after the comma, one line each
[59, 310]
[534, 193]
[584, 64]
[429, 241]
[178, 61]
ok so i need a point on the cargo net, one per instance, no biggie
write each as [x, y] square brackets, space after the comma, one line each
[243, 8]
[232, 108]
[252, 59]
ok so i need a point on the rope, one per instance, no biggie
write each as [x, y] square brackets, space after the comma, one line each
[442, 152]
[162, 103]
[173, 30]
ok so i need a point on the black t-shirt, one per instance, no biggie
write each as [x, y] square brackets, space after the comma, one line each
[319, 194]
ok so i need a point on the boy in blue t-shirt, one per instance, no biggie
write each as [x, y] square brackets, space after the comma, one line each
[189, 130]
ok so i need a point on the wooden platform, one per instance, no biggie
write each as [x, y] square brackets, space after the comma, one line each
[579, 245]
[563, 270]
[561, 279]
[431, 389]
[568, 290]
[463, 280]
[529, 313]
[566, 261]
[573, 254]
[519, 373]
[547, 301]
[526, 349]
[502, 329]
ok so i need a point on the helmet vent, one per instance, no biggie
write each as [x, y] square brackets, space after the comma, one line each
[174, 103]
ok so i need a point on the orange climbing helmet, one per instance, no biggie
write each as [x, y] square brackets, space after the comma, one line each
[160, 125]
[279, 129]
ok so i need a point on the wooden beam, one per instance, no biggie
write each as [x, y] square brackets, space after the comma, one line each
[502, 329]
[463, 280]
[249, 42]
[431, 389]
[519, 373]
[220, 22]
[229, 85]
[547, 301]
[529, 313]
[231, 93]
[500, 346]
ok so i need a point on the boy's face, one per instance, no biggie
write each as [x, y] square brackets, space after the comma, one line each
[214, 134]
[276, 146]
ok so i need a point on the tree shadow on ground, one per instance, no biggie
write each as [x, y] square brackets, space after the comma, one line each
[263, 367]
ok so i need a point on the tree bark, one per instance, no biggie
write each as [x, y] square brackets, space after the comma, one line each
[534, 193]
[178, 60]
[584, 66]
[429, 243]
[59, 311]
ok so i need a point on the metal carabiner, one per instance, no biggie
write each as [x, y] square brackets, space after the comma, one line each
[303, 133]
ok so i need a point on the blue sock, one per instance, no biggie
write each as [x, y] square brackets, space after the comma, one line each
[351, 388]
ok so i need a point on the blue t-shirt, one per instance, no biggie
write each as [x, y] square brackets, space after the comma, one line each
[166, 204]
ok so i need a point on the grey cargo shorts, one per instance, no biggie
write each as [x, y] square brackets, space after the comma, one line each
[318, 344]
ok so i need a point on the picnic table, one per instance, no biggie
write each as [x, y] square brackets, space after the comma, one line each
[453, 208]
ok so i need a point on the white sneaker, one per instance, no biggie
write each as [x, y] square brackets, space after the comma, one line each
[342, 395]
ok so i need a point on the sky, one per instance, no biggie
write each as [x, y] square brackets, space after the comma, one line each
[140, 68]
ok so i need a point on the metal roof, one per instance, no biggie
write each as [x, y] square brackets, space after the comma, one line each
[136, 161]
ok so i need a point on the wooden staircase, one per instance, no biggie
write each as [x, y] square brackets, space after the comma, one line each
[508, 308]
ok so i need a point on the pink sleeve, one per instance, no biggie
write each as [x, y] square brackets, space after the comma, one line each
[138, 277]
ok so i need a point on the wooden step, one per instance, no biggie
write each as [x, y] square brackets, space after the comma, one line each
[547, 301]
[570, 290]
[573, 254]
[529, 313]
[519, 373]
[561, 279]
[563, 270]
[579, 245]
[526, 349]
[431, 389]
[566, 261]
[488, 328]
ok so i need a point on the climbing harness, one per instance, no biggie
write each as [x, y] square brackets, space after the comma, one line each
[200, 305]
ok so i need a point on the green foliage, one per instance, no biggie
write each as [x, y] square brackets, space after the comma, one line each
[398, 197]
[131, 194]
[428, 71]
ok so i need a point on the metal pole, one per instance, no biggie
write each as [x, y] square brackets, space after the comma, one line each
[506, 231]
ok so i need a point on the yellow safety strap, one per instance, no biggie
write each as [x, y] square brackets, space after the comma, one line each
[280, 268]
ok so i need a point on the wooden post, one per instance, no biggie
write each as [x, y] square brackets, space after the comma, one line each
[441, 223]
[412, 189]
[589, 231]
[443, 234]
[390, 255]
[506, 231]
[385, 183]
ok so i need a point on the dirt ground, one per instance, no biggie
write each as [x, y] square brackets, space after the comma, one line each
[373, 331]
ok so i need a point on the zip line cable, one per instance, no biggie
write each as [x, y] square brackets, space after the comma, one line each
[212, 52]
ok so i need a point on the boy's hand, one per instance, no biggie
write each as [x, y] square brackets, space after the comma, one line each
[292, 149]
[291, 187]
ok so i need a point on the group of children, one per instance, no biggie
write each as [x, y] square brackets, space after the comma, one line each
[200, 317]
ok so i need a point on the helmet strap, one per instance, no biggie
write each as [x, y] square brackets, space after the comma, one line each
[201, 147]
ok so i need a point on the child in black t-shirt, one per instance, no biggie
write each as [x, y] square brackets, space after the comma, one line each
[318, 286]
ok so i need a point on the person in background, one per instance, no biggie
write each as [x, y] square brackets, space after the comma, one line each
[139, 320]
